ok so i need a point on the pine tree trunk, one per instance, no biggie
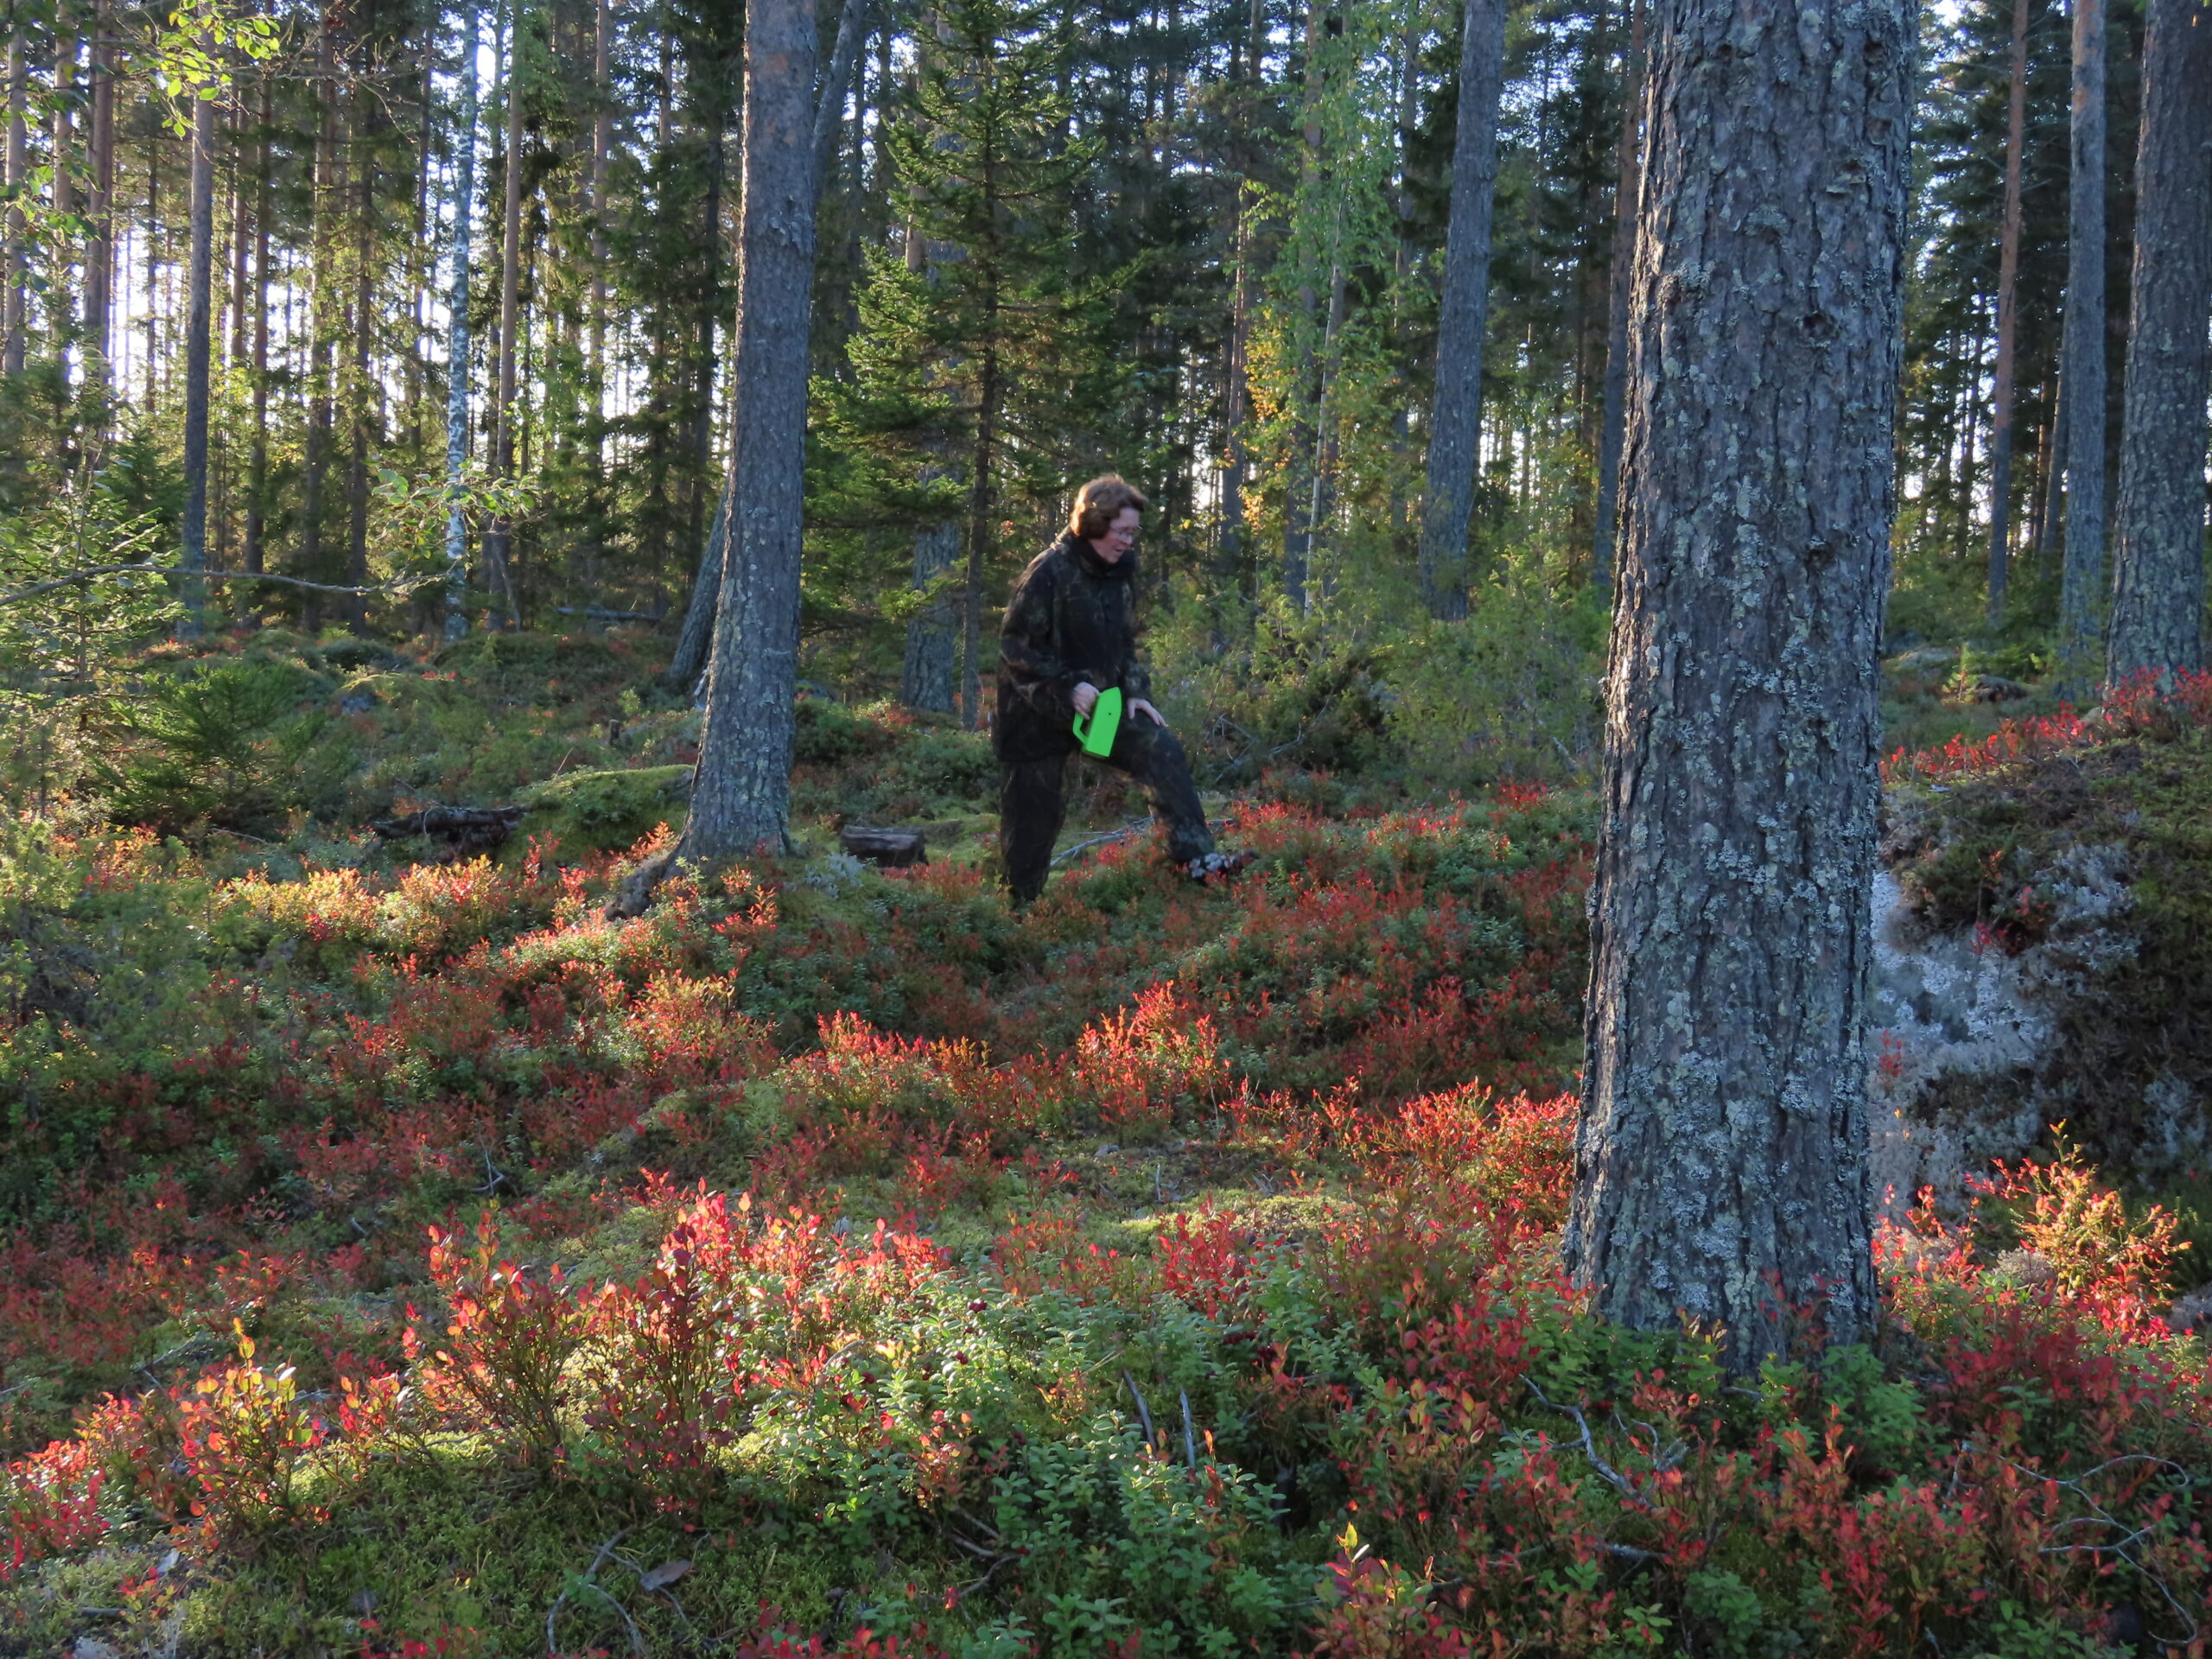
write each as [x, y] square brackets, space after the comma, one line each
[1625, 208]
[1304, 427]
[1463, 317]
[696, 639]
[1235, 572]
[321, 196]
[980, 514]
[2008, 325]
[59, 300]
[2081, 599]
[697, 633]
[1721, 1158]
[198, 352]
[602, 127]
[15, 271]
[256, 505]
[363, 125]
[498, 535]
[100, 246]
[2159, 545]
[464, 205]
[926, 677]
[2052, 514]
[743, 788]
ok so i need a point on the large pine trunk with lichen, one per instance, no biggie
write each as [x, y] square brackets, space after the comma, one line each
[2158, 610]
[1720, 1161]
[738, 804]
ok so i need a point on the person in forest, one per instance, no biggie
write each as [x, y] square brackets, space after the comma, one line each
[1070, 634]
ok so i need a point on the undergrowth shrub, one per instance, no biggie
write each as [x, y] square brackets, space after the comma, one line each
[244, 1434]
[509, 1336]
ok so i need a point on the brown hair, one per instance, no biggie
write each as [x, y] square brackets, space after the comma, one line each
[1097, 502]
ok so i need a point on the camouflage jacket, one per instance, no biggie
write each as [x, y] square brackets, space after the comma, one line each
[1071, 617]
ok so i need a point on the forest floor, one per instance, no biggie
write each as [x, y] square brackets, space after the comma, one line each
[403, 1258]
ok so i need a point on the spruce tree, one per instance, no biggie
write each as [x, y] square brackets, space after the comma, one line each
[989, 353]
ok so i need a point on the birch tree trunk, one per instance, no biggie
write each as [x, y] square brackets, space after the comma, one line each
[1463, 317]
[1720, 1161]
[743, 788]
[2080, 597]
[198, 331]
[2008, 327]
[2158, 543]
[1615, 393]
[464, 202]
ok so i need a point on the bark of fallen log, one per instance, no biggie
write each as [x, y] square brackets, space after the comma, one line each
[465, 828]
[892, 848]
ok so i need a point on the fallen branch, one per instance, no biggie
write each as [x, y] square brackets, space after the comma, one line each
[1134, 827]
[406, 585]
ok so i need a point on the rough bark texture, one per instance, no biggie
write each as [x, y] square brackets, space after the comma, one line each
[696, 636]
[696, 639]
[2080, 595]
[2157, 608]
[499, 534]
[925, 680]
[197, 326]
[1722, 1155]
[464, 196]
[2008, 280]
[256, 504]
[63, 187]
[14, 271]
[100, 245]
[1625, 209]
[1463, 317]
[744, 777]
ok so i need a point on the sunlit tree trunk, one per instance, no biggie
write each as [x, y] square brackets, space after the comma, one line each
[2158, 609]
[1304, 424]
[2008, 324]
[100, 246]
[361, 389]
[742, 792]
[1720, 1161]
[14, 269]
[60, 306]
[1463, 317]
[322, 197]
[697, 634]
[2081, 599]
[498, 535]
[464, 205]
[256, 505]
[198, 351]
[1625, 206]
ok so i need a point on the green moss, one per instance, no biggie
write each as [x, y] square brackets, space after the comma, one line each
[604, 811]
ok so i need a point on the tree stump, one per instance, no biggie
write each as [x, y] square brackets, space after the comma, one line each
[891, 848]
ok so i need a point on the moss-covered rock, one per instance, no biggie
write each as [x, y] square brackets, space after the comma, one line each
[604, 811]
[2068, 899]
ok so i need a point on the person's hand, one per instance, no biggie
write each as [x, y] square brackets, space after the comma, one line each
[1086, 699]
[1139, 706]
